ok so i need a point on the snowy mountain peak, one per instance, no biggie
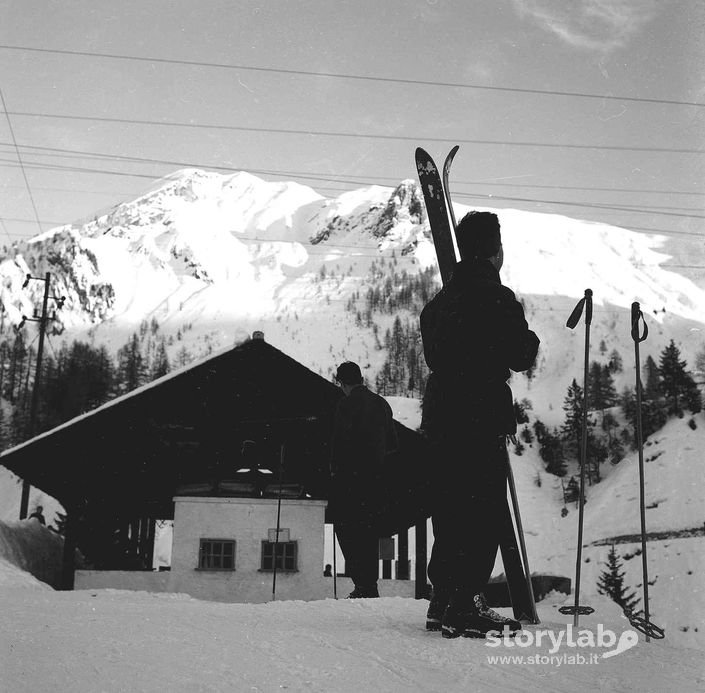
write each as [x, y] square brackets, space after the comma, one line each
[219, 249]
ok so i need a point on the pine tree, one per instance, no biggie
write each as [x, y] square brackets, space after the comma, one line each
[550, 449]
[676, 383]
[616, 450]
[615, 364]
[611, 583]
[651, 389]
[601, 393]
[572, 429]
[653, 416]
[595, 400]
[520, 412]
[131, 367]
[700, 365]
[160, 362]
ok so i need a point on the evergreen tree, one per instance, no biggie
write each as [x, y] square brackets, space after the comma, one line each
[700, 365]
[183, 357]
[160, 362]
[676, 383]
[609, 425]
[131, 368]
[18, 356]
[80, 379]
[520, 412]
[692, 398]
[572, 429]
[550, 449]
[601, 393]
[611, 583]
[615, 364]
[653, 416]
[616, 450]
[526, 435]
[594, 391]
[651, 388]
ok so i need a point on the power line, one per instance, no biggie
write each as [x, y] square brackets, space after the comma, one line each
[340, 75]
[475, 196]
[4, 228]
[488, 199]
[354, 135]
[19, 158]
[588, 205]
[362, 179]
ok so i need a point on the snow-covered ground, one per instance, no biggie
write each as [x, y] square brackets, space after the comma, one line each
[110, 640]
[107, 640]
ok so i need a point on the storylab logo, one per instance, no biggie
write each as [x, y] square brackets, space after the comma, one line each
[566, 646]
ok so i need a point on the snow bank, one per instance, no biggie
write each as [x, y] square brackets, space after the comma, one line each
[31, 547]
[12, 577]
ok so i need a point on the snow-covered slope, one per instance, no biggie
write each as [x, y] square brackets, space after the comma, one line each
[674, 482]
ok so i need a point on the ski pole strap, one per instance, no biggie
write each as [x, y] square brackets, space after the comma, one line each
[646, 627]
[637, 315]
[581, 610]
[583, 303]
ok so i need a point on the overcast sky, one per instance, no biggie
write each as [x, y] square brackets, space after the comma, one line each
[633, 141]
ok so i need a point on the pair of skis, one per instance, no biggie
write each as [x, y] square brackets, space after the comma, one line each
[441, 218]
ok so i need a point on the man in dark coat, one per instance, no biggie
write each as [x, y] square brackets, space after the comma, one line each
[474, 332]
[364, 435]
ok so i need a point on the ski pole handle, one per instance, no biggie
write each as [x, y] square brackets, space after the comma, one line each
[588, 307]
[583, 303]
[636, 316]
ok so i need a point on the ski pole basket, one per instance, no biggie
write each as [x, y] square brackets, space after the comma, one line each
[646, 627]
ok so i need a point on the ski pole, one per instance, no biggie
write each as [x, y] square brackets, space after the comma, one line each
[584, 303]
[279, 513]
[642, 624]
[533, 615]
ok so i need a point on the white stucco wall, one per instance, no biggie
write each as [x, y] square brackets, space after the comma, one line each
[140, 580]
[247, 521]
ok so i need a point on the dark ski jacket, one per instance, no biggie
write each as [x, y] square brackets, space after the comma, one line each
[364, 435]
[474, 332]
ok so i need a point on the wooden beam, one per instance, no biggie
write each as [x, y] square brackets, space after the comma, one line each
[68, 567]
[403, 552]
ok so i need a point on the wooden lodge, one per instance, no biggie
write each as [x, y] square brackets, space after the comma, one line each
[226, 442]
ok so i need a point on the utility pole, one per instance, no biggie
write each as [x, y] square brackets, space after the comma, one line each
[42, 320]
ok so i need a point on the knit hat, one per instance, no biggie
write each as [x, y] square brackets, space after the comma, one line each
[478, 235]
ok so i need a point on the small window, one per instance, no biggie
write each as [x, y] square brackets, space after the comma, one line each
[286, 555]
[216, 554]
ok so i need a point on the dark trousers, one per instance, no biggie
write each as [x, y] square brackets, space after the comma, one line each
[360, 546]
[471, 496]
